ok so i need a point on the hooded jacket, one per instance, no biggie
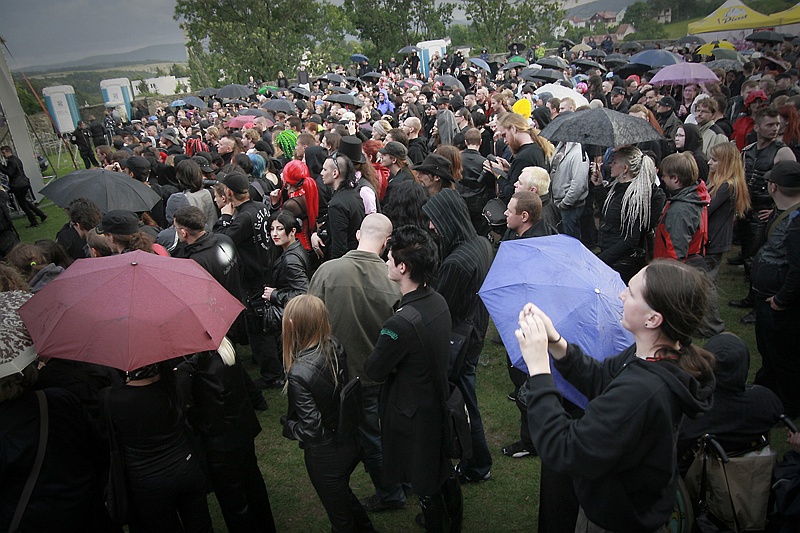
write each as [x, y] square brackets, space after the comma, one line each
[741, 413]
[711, 137]
[465, 258]
[569, 176]
[682, 231]
[693, 143]
[621, 454]
[217, 254]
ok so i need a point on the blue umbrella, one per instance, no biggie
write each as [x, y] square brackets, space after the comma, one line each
[478, 62]
[656, 58]
[577, 290]
[359, 58]
[177, 103]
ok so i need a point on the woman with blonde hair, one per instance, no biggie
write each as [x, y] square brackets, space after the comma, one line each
[730, 200]
[630, 212]
[316, 369]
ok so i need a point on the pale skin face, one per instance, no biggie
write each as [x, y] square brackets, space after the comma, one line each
[702, 114]
[514, 220]
[636, 313]
[329, 172]
[279, 236]
[618, 167]
[395, 272]
[680, 138]
[767, 130]
[712, 163]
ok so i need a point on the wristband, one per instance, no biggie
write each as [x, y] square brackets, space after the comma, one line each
[555, 341]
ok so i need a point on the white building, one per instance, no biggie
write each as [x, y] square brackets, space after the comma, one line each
[163, 85]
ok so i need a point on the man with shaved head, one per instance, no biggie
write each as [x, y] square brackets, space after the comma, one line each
[417, 146]
[360, 297]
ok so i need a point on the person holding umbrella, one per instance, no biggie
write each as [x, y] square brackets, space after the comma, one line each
[621, 453]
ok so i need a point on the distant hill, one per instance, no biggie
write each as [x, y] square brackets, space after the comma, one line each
[165, 53]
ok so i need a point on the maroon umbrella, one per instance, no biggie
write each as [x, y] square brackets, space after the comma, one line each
[241, 121]
[130, 310]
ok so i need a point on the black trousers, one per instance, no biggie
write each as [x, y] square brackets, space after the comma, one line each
[89, 159]
[778, 341]
[28, 207]
[329, 467]
[240, 490]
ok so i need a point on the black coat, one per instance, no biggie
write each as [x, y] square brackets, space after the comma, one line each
[290, 274]
[83, 140]
[219, 409]
[255, 258]
[345, 213]
[16, 174]
[313, 415]
[217, 254]
[412, 403]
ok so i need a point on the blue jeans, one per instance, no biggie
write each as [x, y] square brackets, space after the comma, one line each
[481, 462]
[372, 450]
[571, 221]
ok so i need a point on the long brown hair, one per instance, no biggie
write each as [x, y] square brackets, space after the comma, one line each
[454, 156]
[305, 325]
[679, 293]
[731, 171]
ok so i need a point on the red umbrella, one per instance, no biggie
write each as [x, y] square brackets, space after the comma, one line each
[240, 121]
[130, 310]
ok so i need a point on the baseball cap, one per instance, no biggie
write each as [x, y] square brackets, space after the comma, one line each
[119, 222]
[205, 166]
[668, 101]
[618, 90]
[237, 182]
[394, 149]
[784, 173]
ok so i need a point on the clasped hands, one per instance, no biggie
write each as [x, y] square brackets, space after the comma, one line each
[535, 333]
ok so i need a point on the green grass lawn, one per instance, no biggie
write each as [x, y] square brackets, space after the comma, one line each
[506, 503]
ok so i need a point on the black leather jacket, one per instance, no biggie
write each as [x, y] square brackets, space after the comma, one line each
[313, 415]
[290, 274]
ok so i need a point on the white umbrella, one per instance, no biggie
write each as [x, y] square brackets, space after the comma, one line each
[559, 91]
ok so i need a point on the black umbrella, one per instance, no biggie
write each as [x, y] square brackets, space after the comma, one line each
[237, 101]
[359, 58]
[408, 50]
[568, 42]
[765, 37]
[302, 91]
[332, 77]
[614, 59]
[208, 91]
[656, 58]
[544, 74]
[234, 90]
[516, 48]
[630, 47]
[371, 76]
[108, 190]
[280, 105]
[600, 127]
[450, 81]
[595, 53]
[253, 112]
[338, 89]
[631, 68]
[195, 102]
[513, 64]
[553, 62]
[346, 99]
[691, 39]
[587, 64]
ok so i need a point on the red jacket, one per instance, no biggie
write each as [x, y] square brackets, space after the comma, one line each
[682, 231]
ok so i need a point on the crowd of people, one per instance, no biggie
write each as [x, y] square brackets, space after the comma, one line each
[357, 239]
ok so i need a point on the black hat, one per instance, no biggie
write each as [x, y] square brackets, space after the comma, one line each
[237, 182]
[171, 135]
[783, 75]
[119, 222]
[205, 166]
[135, 162]
[436, 165]
[668, 101]
[395, 149]
[618, 90]
[784, 173]
[350, 147]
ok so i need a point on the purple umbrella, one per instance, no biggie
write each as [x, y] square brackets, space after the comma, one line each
[577, 290]
[684, 73]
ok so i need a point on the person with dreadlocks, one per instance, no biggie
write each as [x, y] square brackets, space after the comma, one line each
[630, 211]
[300, 197]
[286, 142]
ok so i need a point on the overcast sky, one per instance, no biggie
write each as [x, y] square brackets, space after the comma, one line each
[42, 32]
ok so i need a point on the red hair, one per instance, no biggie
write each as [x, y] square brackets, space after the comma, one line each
[791, 135]
[296, 174]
